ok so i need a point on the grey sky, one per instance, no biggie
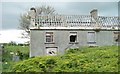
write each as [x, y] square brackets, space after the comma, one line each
[60, 0]
[12, 10]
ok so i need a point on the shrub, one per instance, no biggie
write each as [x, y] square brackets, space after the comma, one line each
[92, 60]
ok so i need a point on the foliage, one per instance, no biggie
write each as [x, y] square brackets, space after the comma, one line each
[25, 19]
[84, 59]
[7, 55]
[12, 43]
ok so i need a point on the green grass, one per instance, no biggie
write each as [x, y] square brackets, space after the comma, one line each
[7, 57]
[23, 49]
[85, 59]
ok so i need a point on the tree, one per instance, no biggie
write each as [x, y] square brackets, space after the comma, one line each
[25, 18]
[25, 22]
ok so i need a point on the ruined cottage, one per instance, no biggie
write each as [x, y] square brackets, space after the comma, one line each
[53, 34]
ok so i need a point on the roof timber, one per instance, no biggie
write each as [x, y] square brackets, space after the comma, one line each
[76, 22]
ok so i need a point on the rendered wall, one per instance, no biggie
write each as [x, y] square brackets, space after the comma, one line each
[62, 40]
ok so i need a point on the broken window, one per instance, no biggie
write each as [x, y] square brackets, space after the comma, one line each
[49, 36]
[51, 51]
[117, 36]
[73, 36]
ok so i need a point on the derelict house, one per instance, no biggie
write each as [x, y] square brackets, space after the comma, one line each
[53, 34]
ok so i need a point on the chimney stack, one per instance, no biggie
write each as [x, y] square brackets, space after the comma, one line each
[32, 12]
[94, 13]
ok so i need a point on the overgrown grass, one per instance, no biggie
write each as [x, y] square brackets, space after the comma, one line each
[7, 61]
[96, 59]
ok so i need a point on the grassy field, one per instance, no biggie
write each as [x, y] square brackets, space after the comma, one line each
[90, 59]
[0, 61]
[7, 56]
[85, 59]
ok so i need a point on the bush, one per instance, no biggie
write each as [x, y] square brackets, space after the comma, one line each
[92, 60]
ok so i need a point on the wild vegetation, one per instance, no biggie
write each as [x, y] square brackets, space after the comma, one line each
[84, 59]
[7, 55]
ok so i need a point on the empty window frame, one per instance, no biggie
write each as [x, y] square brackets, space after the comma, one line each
[52, 51]
[91, 37]
[73, 36]
[49, 37]
[117, 36]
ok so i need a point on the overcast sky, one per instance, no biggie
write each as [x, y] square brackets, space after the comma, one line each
[11, 10]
